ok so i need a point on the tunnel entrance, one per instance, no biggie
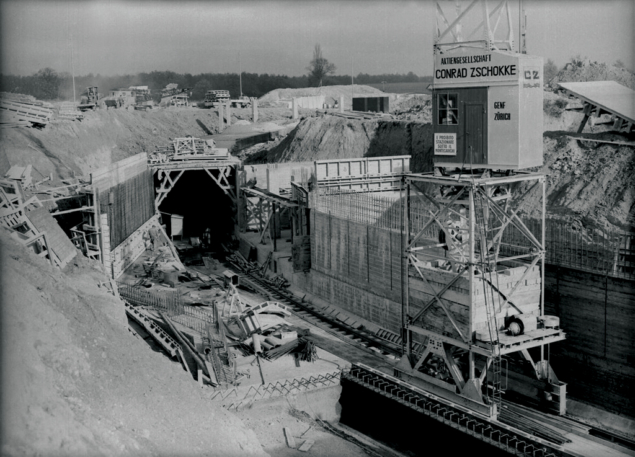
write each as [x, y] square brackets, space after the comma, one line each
[202, 204]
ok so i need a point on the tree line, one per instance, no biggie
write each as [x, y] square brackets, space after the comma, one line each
[48, 84]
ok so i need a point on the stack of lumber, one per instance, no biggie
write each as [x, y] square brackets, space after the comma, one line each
[22, 110]
[361, 115]
[69, 110]
[20, 174]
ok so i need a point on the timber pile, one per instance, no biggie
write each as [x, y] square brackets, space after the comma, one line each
[18, 110]
[69, 111]
[361, 115]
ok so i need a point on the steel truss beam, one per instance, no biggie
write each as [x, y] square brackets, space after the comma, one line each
[166, 184]
[443, 42]
[169, 176]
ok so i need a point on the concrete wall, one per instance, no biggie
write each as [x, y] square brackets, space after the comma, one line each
[598, 357]
[358, 267]
[356, 299]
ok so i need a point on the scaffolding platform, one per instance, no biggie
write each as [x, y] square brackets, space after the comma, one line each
[604, 97]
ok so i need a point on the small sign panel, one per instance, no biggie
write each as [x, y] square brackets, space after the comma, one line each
[445, 144]
[531, 77]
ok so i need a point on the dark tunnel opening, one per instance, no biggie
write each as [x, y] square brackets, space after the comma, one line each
[202, 204]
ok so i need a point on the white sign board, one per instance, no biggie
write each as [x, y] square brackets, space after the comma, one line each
[445, 144]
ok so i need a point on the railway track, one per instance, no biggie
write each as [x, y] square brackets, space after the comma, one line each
[382, 342]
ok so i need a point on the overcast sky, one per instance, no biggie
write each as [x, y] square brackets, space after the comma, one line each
[278, 37]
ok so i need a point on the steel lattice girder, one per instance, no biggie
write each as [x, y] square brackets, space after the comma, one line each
[168, 176]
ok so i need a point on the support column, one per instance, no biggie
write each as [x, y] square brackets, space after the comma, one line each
[405, 263]
[254, 110]
[295, 108]
[472, 256]
[229, 114]
[273, 221]
[221, 120]
[341, 104]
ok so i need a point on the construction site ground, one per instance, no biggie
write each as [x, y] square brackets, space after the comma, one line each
[296, 411]
[76, 381]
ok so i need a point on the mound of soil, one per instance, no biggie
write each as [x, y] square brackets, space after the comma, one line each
[66, 148]
[585, 70]
[76, 382]
[590, 182]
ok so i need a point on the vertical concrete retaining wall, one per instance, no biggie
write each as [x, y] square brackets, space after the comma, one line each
[353, 298]
[598, 358]
[126, 190]
[358, 267]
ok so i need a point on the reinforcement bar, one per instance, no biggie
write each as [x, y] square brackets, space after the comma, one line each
[490, 431]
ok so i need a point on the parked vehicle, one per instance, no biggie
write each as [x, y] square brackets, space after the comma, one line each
[179, 100]
[242, 102]
[215, 98]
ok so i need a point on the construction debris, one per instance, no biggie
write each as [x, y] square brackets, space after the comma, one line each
[69, 111]
[20, 174]
[306, 445]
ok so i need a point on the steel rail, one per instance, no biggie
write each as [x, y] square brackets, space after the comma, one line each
[368, 339]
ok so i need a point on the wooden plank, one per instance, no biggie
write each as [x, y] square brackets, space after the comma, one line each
[306, 445]
[59, 243]
[289, 437]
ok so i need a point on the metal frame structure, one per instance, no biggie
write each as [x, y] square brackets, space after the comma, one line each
[262, 213]
[593, 109]
[367, 174]
[449, 35]
[170, 172]
[482, 209]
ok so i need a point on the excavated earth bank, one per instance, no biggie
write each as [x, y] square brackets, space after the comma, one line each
[76, 382]
[590, 184]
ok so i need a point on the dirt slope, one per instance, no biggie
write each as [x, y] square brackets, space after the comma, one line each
[585, 70]
[76, 382]
[66, 147]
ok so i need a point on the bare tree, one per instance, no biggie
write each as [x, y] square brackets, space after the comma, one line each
[319, 67]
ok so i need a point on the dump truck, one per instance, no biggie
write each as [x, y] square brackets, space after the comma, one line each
[143, 98]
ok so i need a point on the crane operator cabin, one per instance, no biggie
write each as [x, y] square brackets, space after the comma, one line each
[487, 110]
